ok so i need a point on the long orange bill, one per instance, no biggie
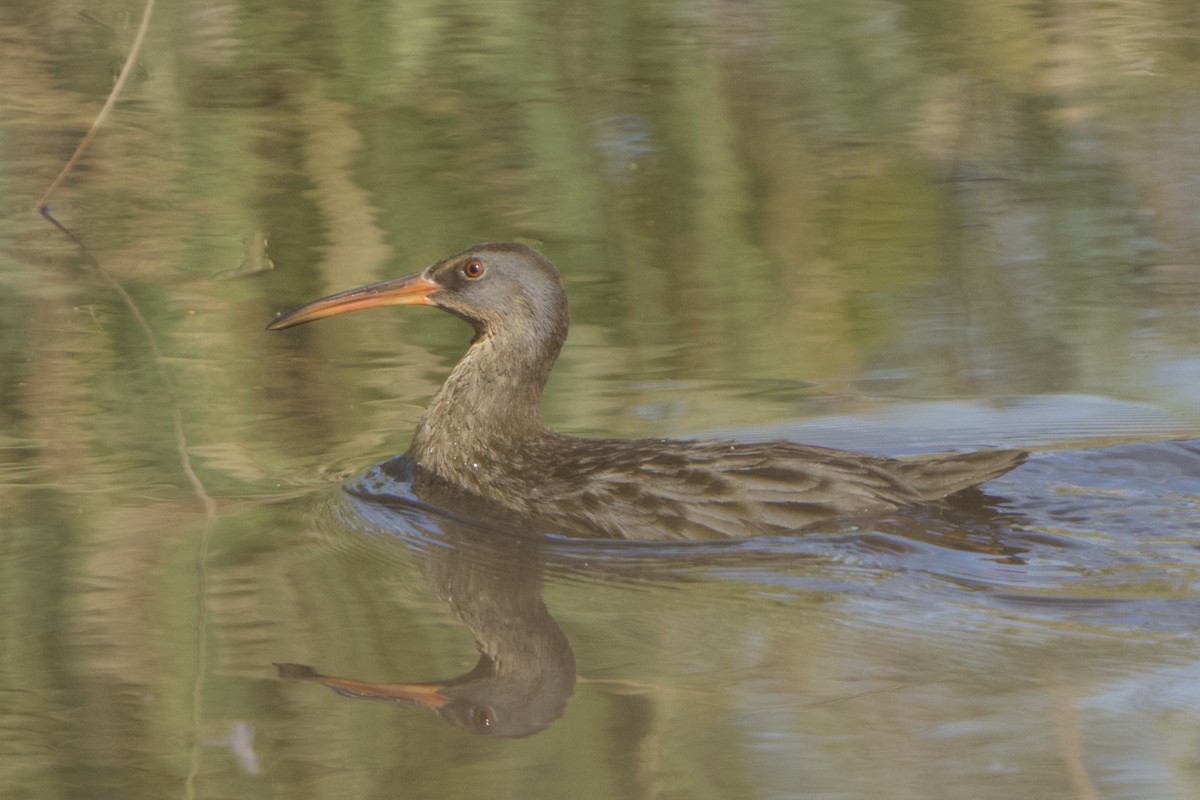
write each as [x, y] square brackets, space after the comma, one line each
[422, 694]
[411, 290]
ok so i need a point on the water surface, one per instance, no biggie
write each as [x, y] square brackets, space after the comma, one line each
[897, 227]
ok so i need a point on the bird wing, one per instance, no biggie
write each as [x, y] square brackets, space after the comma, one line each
[669, 489]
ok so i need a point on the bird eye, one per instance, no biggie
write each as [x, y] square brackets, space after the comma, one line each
[482, 718]
[474, 268]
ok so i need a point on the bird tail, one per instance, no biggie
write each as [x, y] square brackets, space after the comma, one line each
[934, 477]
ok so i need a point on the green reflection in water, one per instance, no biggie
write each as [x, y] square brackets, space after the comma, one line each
[764, 212]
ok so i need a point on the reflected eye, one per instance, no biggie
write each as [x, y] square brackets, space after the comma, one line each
[482, 718]
[474, 268]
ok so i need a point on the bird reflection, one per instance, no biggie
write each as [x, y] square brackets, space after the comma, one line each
[487, 564]
[491, 577]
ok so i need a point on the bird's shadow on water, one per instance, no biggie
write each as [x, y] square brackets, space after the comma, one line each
[392, 498]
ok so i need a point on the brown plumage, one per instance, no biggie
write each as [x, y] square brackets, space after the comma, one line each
[483, 430]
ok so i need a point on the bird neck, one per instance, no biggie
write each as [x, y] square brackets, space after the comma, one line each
[487, 410]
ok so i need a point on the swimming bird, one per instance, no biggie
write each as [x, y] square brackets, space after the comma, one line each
[483, 432]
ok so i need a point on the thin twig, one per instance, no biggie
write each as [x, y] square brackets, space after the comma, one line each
[108, 104]
[181, 444]
[198, 488]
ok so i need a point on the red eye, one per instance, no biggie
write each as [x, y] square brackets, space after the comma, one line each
[482, 718]
[474, 268]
